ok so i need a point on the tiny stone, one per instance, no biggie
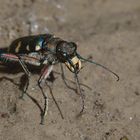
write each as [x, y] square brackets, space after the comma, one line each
[124, 138]
[130, 118]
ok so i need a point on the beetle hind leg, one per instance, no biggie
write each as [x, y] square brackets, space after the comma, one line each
[27, 76]
[6, 57]
[24, 85]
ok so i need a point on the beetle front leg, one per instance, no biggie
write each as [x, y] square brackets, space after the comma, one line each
[45, 73]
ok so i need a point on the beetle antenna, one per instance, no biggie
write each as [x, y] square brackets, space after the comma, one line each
[93, 62]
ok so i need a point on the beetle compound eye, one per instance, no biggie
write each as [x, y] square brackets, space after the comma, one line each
[73, 46]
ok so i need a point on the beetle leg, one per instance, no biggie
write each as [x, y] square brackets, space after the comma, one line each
[69, 80]
[27, 73]
[64, 79]
[81, 94]
[59, 109]
[11, 57]
[26, 85]
[45, 73]
[78, 89]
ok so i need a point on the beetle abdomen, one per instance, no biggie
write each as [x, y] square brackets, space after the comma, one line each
[28, 44]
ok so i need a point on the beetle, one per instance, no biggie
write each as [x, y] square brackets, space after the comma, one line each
[46, 50]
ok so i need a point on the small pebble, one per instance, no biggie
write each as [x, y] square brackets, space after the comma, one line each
[124, 138]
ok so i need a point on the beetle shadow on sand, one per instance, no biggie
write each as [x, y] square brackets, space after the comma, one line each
[15, 68]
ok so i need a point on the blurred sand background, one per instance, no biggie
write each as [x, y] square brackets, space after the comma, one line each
[107, 30]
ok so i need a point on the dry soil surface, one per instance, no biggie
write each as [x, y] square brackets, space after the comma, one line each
[106, 30]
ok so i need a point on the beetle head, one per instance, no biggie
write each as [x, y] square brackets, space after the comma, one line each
[66, 53]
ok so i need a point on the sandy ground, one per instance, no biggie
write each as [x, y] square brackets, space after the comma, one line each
[107, 30]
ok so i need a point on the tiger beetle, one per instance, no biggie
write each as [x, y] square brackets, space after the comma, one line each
[44, 51]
